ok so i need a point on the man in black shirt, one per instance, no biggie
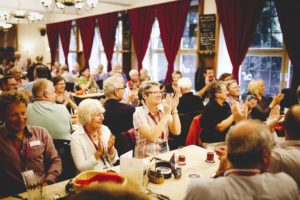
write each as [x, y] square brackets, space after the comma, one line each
[118, 116]
[217, 117]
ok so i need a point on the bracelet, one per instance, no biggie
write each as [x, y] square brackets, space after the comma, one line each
[176, 112]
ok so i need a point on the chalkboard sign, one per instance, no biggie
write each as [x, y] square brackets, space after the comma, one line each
[207, 24]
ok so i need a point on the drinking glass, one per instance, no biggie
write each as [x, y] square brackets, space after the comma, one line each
[33, 183]
[210, 154]
[181, 157]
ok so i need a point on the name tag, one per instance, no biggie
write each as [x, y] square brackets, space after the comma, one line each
[34, 143]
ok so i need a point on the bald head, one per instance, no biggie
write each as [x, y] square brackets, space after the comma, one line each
[292, 123]
[246, 143]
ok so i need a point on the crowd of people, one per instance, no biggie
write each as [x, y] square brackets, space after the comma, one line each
[36, 105]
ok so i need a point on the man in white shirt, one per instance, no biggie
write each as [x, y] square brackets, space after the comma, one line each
[249, 145]
[285, 156]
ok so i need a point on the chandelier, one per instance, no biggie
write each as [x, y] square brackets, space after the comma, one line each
[16, 16]
[79, 5]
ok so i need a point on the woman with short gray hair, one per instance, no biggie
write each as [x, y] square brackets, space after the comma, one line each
[92, 144]
[154, 120]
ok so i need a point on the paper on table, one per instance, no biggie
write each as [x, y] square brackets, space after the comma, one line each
[132, 168]
[127, 154]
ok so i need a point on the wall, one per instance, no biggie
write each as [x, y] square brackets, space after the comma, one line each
[31, 43]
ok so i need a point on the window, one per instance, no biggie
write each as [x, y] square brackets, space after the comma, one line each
[97, 53]
[72, 49]
[266, 58]
[155, 60]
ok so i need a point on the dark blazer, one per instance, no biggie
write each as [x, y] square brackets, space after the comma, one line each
[188, 103]
[119, 118]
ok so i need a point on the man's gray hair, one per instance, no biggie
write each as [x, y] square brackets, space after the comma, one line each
[87, 108]
[245, 142]
[185, 83]
[111, 84]
[133, 72]
[40, 86]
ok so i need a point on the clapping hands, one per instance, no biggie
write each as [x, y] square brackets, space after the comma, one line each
[239, 112]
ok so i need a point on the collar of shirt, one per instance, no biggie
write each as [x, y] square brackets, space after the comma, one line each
[289, 143]
[12, 136]
[158, 109]
[242, 172]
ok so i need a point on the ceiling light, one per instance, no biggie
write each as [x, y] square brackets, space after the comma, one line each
[79, 5]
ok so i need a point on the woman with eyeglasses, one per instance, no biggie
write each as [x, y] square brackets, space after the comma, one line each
[154, 120]
[63, 96]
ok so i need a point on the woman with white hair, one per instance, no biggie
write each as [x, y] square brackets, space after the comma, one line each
[92, 144]
[264, 106]
[153, 120]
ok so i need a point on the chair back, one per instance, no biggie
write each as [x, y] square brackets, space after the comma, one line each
[126, 142]
[64, 151]
[193, 137]
[70, 86]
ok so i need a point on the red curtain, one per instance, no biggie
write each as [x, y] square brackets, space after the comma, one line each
[289, 15]
[52, 33]
[239, 19]
[87, 31]
[107, 27]
[141, 21]
[65, 35]
[171, 18]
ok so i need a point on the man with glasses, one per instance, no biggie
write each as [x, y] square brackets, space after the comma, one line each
[118, 115]
[154, 120]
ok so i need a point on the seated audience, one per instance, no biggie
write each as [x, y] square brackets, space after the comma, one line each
[171, 87]
[85, 81]
[285, 155]
[100, 76]
[217, 117]
[31, 68]
[118, 116]
[153, 121]
[46, 113]
[225, 77]
[66, 74]
[40, 72]
[92, 143]
[8, 83]
[117, 69]
[55, 70]
[75, 71]
[263, 107]
[23, 147]
[63, 96]
[234, 95]
[188, 102]
[20, 62]
[16, 72]
[203, 82]
[249, 146]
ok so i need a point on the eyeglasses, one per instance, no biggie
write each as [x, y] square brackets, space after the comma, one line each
[121, 88]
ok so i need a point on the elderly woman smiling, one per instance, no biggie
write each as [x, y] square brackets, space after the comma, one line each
[92, 144]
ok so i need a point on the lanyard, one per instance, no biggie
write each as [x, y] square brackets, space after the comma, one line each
[153, 118]
[101, 157]
[23, 153]
[242, 172]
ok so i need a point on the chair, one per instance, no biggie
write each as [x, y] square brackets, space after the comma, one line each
[193, 137]
[64, 151]
[186, 119]
[125, 142]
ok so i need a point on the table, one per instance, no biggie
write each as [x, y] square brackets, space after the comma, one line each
[174, 189]
[79, 98]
